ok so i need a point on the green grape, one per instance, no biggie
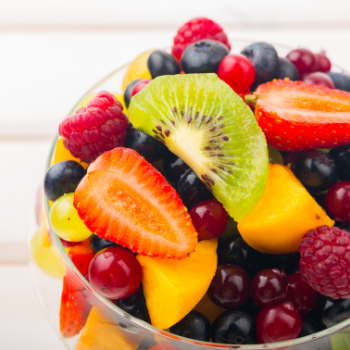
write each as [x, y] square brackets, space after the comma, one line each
[275, 156]
[66, 222]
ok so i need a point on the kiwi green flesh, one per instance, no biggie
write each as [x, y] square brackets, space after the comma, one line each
[205, 123]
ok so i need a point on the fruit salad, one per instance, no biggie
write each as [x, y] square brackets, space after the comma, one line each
[211, 200]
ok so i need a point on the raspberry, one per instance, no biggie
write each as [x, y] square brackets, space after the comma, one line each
[96, 128]
[325, 261]
[197, 29]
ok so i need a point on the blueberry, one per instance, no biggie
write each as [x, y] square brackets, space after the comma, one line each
[234, 250]
[194, 326]
[289, 263]
[147, 146]
[345, 226]
[341, 156]
[316, 170]
[331, 312]
[61, 178]
[162, 63]
[252, 307]
[135, 305]
[234, 327]
[341, 81]
[286, 69]
[174, 167]
[98, 243]
[310, 326]
[265, 61]
[127, 92]
[203, 56]
[191, 189]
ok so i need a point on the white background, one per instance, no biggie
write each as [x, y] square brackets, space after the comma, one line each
[52, 51]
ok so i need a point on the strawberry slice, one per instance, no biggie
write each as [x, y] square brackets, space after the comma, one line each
[74, 306]
[296, 116]
[81, 256]
[125, 200]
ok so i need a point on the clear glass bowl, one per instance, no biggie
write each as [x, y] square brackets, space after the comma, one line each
[110, 328]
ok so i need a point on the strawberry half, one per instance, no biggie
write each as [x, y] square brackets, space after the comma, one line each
[126, 200]
[296, 116]
[74, 306]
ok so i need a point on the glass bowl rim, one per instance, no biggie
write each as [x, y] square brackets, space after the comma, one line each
[144, 325]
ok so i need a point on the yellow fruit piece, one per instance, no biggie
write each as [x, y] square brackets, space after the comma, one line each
[102, 332]
[47, 258]
[172, 287]
[138, 69]
[283, 215]
[61, 153]
[209, 309]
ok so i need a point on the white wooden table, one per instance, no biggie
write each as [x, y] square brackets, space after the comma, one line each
[42, 75]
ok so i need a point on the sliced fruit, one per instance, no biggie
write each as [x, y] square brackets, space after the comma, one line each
[125, 200]
[204, 122]
[102, 332]
[61, 153]
[74, 306]
[296, 116]
[46, 256]
[173, 288]
[138, 69]
[283, 216]
[81, 256]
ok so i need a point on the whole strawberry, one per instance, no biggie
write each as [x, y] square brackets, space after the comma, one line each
[96, 128]
[195, 30]
[325, 261]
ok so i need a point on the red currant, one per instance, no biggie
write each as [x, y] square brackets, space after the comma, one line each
[318, 78]
[209, 219]
[303, 59]
[115, 273]
[139, 86]
[269, 287]
[278, 323]
[237, 71]
[67, 244]
[300, 294]
[323, 63]
[338, 201]
[230, 287]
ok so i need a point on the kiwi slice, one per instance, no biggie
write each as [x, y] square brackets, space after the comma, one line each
[205, 123]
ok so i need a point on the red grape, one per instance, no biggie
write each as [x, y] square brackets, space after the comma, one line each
[237, 71]
[318, 78]
[230, 287]
[269, 287]
[338, 201]
[139, 86]
[300, 294]
[323, 64]
[115, 273]
[303, 59]
[209, 219]
[278, 323]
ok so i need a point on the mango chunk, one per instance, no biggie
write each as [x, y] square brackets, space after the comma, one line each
[102, 332]
[283, 215]
[172, 287]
